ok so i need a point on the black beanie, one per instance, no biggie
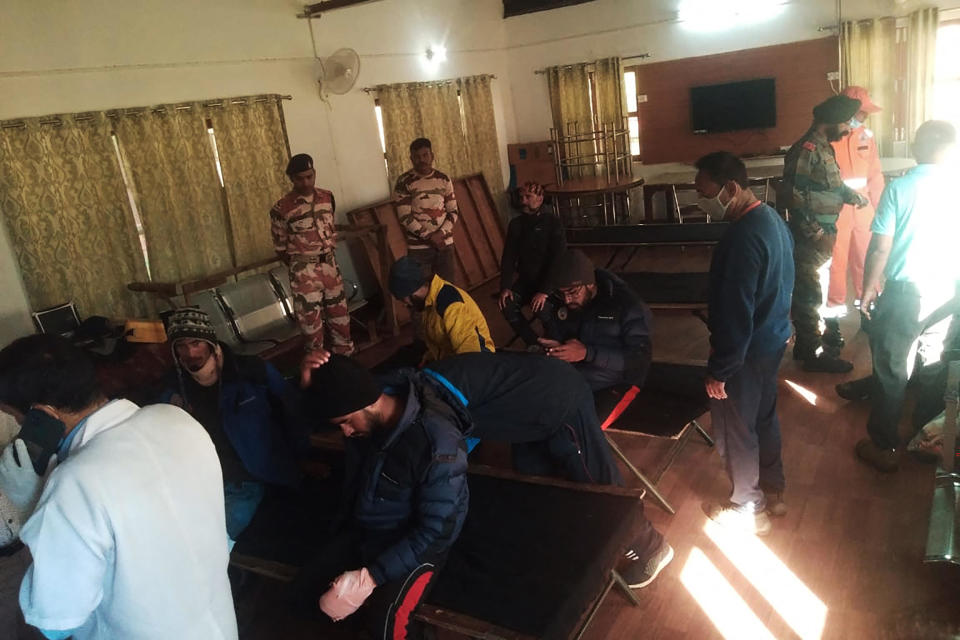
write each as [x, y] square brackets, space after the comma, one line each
[340, 387]
[406, 276]
[571, 269]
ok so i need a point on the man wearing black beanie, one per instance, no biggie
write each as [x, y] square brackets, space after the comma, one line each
[407, 488]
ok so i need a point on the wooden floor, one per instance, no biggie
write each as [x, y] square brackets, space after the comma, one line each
[845, 562]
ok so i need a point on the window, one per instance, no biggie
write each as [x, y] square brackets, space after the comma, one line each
[946, 82]
[633, 116]
[378, 111]
[132, 199]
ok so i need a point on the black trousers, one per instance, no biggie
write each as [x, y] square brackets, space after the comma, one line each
[513, 311]
[388, 612]
[747, 430]
[898, 336]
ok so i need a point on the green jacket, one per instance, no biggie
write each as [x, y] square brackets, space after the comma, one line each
[812, 188]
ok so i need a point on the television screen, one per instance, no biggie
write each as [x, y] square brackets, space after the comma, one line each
[751, 104]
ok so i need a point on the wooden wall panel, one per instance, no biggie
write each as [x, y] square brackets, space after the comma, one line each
[800, 70]
[478, 236]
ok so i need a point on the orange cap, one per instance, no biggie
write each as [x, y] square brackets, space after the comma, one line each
[859, 93]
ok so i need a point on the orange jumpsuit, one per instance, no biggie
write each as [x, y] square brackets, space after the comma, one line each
[860, 169]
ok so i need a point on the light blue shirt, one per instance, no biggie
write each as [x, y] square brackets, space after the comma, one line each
[920, 211]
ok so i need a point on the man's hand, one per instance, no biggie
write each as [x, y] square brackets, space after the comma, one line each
[18, 481]
[869, 297]
[347, 593]
[569, 351]
[715, 388]
[862, 201]
[539, 299]
[436, 239]
[504, 298]
[312, 360]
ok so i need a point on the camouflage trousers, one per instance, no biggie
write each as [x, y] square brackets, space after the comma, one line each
[811, 261]
[320, 305]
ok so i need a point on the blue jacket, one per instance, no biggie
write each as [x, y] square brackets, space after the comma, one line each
[408, 486]
[615, 327]
[261, 414]
[751, 281]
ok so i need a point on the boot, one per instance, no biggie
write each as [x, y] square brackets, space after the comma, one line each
[855, 390]
[832, 337]
[826, 363]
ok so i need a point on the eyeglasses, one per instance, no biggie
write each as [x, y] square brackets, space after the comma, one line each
[571, 292]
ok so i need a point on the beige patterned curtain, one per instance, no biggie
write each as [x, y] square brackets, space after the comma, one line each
[481, 129]
[571, 109]
[253, 153]
[171, 162]
[921, 61]
[423, 110]
[869, 52]
[64, 203]
[608, 83]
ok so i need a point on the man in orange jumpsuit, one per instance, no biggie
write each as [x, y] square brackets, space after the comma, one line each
[859, 164]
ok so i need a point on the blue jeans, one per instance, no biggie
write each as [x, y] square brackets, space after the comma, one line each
[241, 500]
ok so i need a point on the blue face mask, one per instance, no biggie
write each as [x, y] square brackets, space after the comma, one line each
[855, 124]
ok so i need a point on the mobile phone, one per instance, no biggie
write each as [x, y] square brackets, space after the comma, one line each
[42, 434]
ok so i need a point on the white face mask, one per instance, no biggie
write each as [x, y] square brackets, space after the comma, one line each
[715, 209]
[855, 124]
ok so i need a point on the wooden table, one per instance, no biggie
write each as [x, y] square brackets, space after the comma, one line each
[615, 191]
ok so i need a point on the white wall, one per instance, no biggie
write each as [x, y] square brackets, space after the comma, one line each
[101, 54]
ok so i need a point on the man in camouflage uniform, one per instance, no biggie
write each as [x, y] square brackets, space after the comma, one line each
[304, 236]
[813, 193]
[427, 208]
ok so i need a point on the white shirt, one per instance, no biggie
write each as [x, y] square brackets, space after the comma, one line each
[127, 539]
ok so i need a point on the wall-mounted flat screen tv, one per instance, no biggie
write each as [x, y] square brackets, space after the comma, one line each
[751, 104]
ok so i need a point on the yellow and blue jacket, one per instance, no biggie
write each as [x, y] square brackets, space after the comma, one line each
[452, 322]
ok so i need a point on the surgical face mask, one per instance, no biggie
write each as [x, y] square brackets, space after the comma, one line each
[713, 207]
[855, 124]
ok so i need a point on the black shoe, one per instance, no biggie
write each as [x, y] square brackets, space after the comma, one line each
[825, 363]
[833, 339]
[855, 390]
[639, 574]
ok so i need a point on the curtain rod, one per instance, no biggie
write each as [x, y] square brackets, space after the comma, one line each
[588, 64]
[114, 113]
[428, 83]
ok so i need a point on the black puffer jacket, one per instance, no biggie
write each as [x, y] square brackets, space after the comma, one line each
[408, 486]
[615, 327]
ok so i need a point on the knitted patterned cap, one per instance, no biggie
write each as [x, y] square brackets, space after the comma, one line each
[190, 323]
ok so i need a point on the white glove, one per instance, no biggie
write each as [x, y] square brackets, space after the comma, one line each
[19, 482]
[347, 593]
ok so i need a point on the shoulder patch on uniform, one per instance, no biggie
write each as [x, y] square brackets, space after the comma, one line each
[809, 146]
[447, 296]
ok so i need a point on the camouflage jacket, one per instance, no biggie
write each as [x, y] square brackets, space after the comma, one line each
[812, 188]
[424, 206]
[304, 226]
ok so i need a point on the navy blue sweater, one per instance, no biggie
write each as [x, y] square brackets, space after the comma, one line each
[751, 280]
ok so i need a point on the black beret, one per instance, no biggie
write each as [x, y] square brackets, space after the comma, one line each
[836, 109]
[340, 387]
[298, 163]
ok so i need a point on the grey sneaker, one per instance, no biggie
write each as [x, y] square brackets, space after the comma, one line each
[639, 574]
[733, 517]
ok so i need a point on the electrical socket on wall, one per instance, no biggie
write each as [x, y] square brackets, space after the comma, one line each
[833, 75]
